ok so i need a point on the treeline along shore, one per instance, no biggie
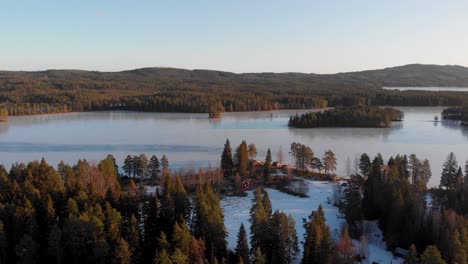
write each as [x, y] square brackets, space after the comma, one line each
[205, 91]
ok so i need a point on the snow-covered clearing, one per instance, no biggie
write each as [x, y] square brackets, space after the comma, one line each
[236, 211]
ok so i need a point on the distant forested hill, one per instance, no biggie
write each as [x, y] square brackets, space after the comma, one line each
[169, 89]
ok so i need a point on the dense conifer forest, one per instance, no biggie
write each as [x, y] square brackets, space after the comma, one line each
[357, 116]
[90, 213]
[456, 113]
[177, 90]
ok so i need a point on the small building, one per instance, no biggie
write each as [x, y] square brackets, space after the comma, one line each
[276, 164]
[258, 162]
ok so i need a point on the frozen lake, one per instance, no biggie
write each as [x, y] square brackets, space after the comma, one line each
[196, 140]
[431, 89]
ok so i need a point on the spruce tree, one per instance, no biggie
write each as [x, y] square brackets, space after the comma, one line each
[364, 165]
[153, 167]
[208, 223]
[258, 223]
[317, 240]
[282, 238]
[449, 172]
[227, 164]
[267, 165]
[242, 248]
[351, 208]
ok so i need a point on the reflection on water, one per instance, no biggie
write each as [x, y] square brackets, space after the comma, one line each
[195, 140]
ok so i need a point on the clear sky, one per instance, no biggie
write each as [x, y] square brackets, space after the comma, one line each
[232, 35]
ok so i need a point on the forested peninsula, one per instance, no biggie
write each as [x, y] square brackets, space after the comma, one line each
[456, 113]
[206, 91]
[357, 116]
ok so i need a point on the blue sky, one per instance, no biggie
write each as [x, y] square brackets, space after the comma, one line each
[240, 36]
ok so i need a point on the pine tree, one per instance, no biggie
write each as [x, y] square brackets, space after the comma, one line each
[449, 172]
[365, 165]
[303, 156]
[431, 255]
[242, 248]
[142, 165]
[329, 161]
[227, 164]
[153, 167]
[165, 164]
[128, 166]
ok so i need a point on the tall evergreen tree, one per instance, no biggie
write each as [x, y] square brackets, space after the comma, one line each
[242, 158]
[227, 164]
[208, 223]
[258, 223]
[283, 246]
[267, 165]
[153, 167]
[351, 205]
[365, 165]
[242, 248]
[317, 240]
[128, 166]
[329, 161]
[142, 165]
[165, 164]
[449, 172]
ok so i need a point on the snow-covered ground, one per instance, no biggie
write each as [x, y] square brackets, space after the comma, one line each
[236, 211]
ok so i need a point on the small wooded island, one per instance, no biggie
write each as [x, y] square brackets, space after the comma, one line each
[356, 116]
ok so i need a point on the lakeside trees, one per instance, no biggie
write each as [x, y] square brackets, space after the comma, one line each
[395, 194]
[357, 116]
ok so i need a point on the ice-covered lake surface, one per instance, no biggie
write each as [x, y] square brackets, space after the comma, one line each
[236, 211]
[431, 89]
[194, 140]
